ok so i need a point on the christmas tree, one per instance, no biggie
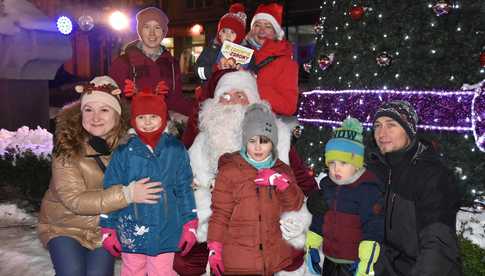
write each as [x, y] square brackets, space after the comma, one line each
[368, 52]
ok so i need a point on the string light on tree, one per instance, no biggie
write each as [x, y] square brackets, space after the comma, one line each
[453, 114]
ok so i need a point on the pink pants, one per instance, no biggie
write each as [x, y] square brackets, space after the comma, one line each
[142, 265]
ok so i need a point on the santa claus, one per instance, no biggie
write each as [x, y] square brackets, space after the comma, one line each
[220, 120]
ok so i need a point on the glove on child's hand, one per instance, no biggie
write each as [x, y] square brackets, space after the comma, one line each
[313, 261]
[188, 238]
[215, 258]
[291, 228]
[111, 242]
[130, 88]
[269, 177]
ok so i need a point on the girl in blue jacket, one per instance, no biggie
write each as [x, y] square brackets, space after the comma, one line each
[149, 234]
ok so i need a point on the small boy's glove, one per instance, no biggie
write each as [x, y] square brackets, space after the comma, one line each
[111, 242]
[215, 258]
[313, 261]
[368, 253]
[269, 177]
[189, 237]
[316, 203]
[312, 244]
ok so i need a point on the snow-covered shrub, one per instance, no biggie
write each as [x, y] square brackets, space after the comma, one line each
[25, 157]
[38, 141]
[470, 228]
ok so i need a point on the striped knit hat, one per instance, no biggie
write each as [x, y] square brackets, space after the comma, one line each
[346, 144]
[403, 113]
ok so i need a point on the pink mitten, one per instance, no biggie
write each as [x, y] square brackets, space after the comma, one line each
[269, 177]
[189, 237]
[215, 257]
[111, 242]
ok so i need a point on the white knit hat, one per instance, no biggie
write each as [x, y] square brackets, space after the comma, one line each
[240, 80]
[101, 89]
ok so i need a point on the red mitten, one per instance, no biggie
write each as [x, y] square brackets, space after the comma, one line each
[215, 257]
[189, 237]
[161, 88]
[269, 177]
[111, 242]
[130, 88]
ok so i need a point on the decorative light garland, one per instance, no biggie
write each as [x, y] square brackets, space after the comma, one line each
[460, 111]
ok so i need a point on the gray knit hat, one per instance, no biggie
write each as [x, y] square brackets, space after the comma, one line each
[259, 120]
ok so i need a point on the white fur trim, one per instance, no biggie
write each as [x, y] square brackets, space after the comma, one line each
[284, 141]
[298, 272]
[305, 218]
[266, 16]
[241, 80]
[198, 160]
[103, 80]
[203, 198]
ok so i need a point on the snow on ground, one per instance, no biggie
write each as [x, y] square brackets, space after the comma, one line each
[21, 252]
[472, 225]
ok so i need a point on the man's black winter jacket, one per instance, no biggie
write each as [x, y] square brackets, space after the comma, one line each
[421, 203]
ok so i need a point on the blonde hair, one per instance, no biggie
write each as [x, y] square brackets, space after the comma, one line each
[70, 136]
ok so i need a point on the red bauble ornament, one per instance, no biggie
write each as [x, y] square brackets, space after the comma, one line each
[356, 13]
[482, 59]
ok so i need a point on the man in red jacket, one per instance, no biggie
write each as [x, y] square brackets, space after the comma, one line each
[145, 62]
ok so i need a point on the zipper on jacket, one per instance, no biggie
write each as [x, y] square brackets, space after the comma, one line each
[392, 210]
[165, 203]
[388, 191]
[135, 209]
[260, 230]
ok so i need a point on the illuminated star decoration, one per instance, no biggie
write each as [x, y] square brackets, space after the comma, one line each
[460, 111]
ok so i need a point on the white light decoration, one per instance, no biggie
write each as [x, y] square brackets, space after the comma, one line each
[118, 21]
[64, 25]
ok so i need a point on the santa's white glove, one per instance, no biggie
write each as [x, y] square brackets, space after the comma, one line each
[291, 228]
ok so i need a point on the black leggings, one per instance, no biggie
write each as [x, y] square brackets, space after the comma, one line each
[331, 268]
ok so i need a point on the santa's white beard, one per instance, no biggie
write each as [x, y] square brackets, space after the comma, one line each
[222, 123]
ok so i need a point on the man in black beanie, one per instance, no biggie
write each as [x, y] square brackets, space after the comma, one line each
[421, 199]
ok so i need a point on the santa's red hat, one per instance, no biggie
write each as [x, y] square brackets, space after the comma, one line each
[235, 20]
[238, 80]
[274, 14]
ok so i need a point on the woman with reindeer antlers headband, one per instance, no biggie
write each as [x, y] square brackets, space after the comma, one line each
[87, 131]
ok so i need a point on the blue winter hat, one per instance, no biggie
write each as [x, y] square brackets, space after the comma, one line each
[346, 144]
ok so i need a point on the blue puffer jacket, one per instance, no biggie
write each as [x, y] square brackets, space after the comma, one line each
[152, 229]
